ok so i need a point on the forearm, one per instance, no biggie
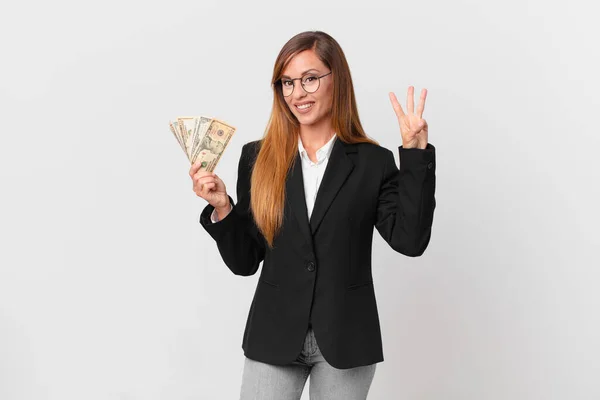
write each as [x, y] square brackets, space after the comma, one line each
[237, 240]
[407, 201]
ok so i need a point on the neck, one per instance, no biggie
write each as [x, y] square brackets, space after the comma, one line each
[315, 136]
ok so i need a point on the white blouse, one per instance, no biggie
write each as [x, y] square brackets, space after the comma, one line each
[312, 173]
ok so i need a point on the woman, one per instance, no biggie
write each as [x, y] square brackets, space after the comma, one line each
[310, 194]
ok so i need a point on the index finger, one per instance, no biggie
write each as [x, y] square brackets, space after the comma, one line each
[396, 105]
[195, 167]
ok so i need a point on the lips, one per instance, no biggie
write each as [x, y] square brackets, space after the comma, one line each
[303, 106]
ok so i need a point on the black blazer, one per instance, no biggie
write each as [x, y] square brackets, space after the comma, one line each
[319, 271]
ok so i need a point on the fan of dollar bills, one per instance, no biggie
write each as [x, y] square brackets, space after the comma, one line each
[202, 139]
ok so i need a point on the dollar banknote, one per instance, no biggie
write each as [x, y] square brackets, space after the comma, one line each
[203, 139]
[174, 126]
[201, 125]
[186, 127]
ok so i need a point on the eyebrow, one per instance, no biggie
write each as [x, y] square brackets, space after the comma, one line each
[308, 70]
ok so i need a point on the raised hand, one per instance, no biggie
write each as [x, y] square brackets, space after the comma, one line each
[413, 127]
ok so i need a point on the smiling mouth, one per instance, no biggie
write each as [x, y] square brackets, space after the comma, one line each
[304, 106]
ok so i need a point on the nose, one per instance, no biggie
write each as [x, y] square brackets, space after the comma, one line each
[299, 92]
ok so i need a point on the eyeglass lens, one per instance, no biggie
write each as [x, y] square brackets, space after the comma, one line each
[310, 83]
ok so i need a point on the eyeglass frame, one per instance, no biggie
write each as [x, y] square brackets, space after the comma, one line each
[301, 84]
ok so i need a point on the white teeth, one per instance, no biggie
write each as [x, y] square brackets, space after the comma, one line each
[304, 106]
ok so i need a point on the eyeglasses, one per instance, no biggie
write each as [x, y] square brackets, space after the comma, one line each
[310, 83]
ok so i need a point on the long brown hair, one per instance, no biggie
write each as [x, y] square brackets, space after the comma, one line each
[279, 144]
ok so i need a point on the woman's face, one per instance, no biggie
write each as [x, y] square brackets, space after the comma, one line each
[301, 65]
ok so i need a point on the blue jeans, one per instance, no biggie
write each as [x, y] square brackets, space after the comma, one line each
[262, 381]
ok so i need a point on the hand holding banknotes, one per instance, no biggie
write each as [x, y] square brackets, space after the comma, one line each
[204, 140]
[211, 188]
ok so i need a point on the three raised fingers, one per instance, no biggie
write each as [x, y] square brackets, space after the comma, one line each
[410, 104]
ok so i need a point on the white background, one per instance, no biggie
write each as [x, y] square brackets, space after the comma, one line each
[110, 288]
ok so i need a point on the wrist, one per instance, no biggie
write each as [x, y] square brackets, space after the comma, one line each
[223, 211]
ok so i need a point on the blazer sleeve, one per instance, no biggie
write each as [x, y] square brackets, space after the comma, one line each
[406, 200]
[238, 239]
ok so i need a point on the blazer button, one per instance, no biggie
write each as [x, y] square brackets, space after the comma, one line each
[430, 165]
[310, 266]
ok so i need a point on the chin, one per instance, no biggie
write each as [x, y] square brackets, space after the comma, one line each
[307, 120]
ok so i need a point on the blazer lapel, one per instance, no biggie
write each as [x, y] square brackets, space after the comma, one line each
[297, 199]
[338, 168]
